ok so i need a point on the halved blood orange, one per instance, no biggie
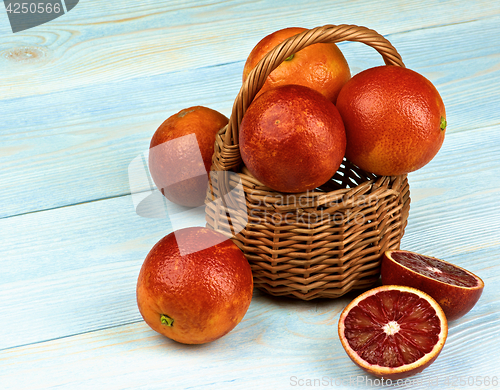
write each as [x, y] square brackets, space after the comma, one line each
[393, 332]
[454, 288]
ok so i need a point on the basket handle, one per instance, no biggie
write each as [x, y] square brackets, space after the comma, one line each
[257, 77]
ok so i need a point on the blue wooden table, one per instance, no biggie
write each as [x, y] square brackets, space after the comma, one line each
[80, 98]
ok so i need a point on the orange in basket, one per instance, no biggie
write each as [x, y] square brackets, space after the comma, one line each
[321, 243]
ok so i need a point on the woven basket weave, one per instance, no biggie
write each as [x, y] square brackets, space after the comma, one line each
[319, 244]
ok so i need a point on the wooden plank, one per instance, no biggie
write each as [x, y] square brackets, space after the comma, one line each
[47, 258]
[46, 255]
[117, 41]
[85, 150]
[464, 179]
[88, 136]
[279, 344]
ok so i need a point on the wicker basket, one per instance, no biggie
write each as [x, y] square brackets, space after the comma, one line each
[319, 244]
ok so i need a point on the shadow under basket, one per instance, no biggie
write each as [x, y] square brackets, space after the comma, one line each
[321, 243]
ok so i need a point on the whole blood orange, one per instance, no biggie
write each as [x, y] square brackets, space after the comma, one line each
[194, 286]
[320, 66]
[393, 331]
[395, 120]
[454, 288]
[180, 154]
[292, 139]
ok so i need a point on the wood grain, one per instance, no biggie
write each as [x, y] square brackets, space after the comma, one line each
[120, 41]
[279, 342]
[83, 139]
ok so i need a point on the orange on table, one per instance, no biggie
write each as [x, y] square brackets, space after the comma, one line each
[194, 286]
[179, 164]
[320, 66]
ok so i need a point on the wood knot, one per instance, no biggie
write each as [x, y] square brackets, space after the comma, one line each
[25, 54]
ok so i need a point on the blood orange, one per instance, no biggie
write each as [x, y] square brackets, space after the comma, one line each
[454, 288]
[393, 331]
[320, 66]
[292, 139]
[180, 154]
[194, 286]
[394, 118]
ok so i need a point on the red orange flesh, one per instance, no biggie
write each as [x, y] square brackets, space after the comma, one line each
[456, 289]
[393, 331]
